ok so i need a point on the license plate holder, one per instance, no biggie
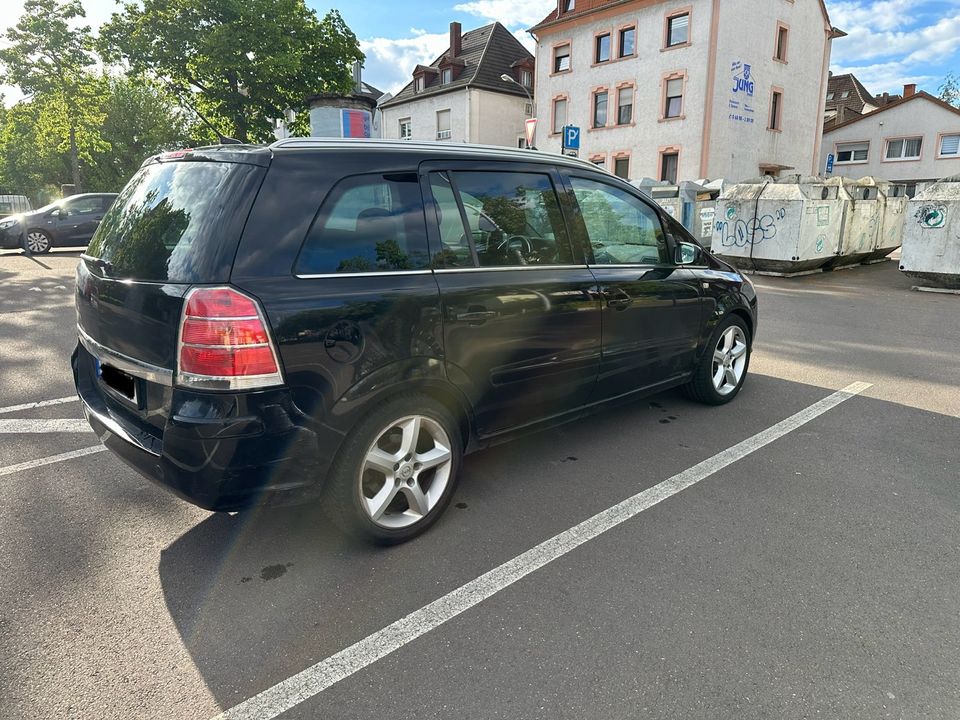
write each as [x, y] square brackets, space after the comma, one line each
[119, 383]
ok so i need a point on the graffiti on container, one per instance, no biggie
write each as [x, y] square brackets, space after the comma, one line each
[931, 215]
[740, 233]
[821, 241]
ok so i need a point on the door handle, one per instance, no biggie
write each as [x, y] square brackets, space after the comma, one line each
[617, 298]
[476, 317]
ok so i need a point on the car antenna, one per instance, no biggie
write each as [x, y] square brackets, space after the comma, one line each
[221, 138]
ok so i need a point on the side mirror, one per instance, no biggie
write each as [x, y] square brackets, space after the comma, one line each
[56, 213]
[687, 253]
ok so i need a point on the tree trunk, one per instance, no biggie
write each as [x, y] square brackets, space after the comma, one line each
[75, 159]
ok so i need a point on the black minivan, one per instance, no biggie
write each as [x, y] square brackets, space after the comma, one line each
[345, 319]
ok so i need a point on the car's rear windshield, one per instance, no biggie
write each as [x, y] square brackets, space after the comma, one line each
[168, 222]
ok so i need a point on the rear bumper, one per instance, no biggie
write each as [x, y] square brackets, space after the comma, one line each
[218, 451]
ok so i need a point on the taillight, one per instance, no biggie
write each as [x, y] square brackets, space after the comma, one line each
[224, 343]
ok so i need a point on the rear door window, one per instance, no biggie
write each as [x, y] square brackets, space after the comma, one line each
[368, 223]
[511, 218]
[167, 223]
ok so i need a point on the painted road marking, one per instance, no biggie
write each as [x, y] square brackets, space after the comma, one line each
[10, 469]
[41, 403]
[58, 425]
[294, 690]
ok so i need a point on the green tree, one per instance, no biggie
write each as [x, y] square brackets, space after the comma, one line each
[246, 60]
[49, 61]
[950, 90]
[30, 162]
[139, 120]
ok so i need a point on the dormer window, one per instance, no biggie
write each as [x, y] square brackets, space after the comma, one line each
[446, 76]
[526, 78]
[567, 5]
[418, 84]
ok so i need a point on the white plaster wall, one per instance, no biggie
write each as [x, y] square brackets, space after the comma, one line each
[747, 33]
[499, 117]
[917, 117]
[423, 114]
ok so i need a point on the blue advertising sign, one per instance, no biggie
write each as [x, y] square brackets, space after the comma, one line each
[571, 137]
[830, 163]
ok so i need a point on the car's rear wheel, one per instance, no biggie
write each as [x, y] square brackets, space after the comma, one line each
[723, 368]
[397, 471]
[38, 242]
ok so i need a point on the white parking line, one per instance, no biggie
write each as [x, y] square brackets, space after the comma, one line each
[41, 403]
[10, 469]
[294, 690]
[56, 425]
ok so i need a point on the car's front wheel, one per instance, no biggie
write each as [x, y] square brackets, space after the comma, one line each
[720, 373]
[397, 470]
[38, 242]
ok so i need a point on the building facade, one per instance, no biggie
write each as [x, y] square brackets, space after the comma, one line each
[914, 140]
[462, 97]
[686, 89]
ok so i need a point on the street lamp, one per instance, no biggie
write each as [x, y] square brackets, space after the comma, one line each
[511, 79]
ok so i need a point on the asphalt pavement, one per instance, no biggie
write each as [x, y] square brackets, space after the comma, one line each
[814, 576]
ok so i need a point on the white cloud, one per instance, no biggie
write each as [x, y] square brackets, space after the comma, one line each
[390, 62]
[885, 77]
[509, 13]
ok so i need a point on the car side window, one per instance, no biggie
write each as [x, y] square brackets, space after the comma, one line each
[368, 223]
[513, 219]
[622, 229]
[83, 206]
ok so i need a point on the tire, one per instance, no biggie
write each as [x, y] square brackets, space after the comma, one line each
[378, 488]
[37, 242]
[727, 357]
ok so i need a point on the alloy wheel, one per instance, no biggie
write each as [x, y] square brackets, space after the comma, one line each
[37, 242]
[729, 360]
[405, 472]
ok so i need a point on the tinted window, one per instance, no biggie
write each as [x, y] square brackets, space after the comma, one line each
[368, 223]
[622, 228]
[166, 224]
[512, 219]
[84, 206]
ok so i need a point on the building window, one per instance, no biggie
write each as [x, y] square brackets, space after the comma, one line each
[418, 84]
[628, 41]
[845, 94]
[829, 96]
[852, 152]
[559, 114]
[669, 163]
[526, 78]
[446, 76]
[904, 148]
[561, 58]
[781, 47]
[625, 106]
[678, 30]
[950, 146]
[443, 125]
[600, 109]
[521, 142]
[602, 43]
[406, 129]
[621, 167]
[776, 109]
[673, 103]
[568, 5]
[528, 109]
[599, 160]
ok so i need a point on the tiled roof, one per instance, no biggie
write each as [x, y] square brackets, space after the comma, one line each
[898, 103]
[857, 96]
[487, 53]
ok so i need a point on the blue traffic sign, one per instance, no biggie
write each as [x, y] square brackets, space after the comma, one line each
[830, 163]
[571, 137]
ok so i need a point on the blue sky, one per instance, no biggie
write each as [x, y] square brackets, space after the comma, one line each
[891, 42]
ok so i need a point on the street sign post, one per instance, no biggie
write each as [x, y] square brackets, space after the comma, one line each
[830, 163]
[571, 137]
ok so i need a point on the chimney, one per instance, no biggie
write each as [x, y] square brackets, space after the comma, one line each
[357, 87]
[455, 39]
[909, 90]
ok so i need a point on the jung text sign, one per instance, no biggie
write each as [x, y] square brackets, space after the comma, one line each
[742, 88]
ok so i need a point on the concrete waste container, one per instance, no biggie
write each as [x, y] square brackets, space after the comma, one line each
[784, 227]
[931, 235]
[893, 210]
[861, 220]
[689, 203]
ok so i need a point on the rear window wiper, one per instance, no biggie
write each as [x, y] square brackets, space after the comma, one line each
[104, 265]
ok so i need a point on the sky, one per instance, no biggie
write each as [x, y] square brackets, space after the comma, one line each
[889, 43]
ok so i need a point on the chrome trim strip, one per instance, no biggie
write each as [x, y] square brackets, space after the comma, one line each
[221, 319]
[505, 268]
[135, 367]
[226, 347]
[626, 266]
[384, 273]
[114, 427]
